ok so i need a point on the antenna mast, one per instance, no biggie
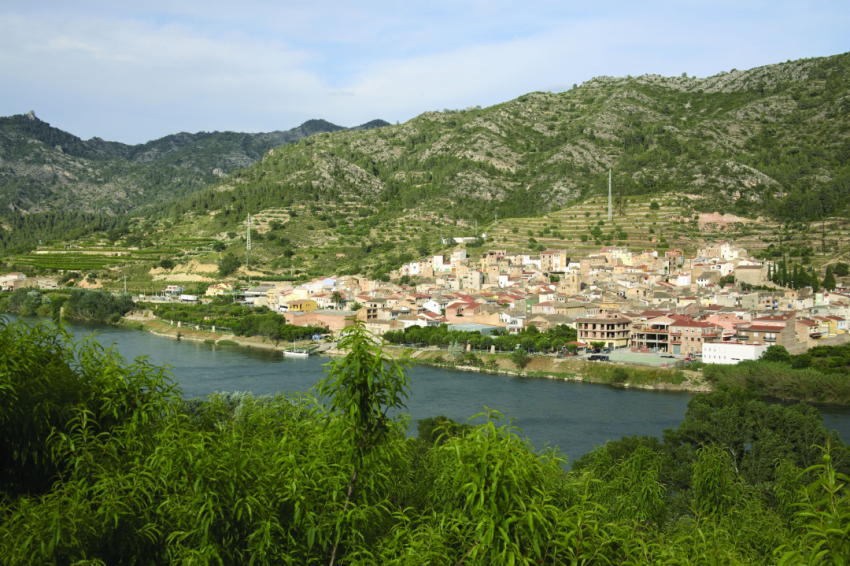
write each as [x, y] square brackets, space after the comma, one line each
[248, 249]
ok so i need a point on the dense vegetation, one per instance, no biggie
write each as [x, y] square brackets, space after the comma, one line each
[771, 140]
[820, 375]
[47, 169]
[106, 464]
[529, 338]
[238, 319]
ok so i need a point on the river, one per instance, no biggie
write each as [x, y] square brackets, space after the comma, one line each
[573, 416]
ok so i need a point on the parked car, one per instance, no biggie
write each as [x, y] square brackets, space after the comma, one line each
[596, 358]
[607, 350]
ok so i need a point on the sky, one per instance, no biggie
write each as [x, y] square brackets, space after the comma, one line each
[136, 71]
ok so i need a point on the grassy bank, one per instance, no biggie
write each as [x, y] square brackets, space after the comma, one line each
[570, 369]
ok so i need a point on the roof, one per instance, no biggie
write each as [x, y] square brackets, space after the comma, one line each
[690, 323]
[615, 320]
[762, 328]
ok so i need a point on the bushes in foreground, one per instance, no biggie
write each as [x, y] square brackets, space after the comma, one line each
[135, 474]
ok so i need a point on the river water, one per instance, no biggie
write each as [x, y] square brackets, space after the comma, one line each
[573, 416]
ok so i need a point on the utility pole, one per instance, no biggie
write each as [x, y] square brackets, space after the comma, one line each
[610, 212]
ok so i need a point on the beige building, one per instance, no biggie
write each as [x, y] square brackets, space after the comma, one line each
[612, 329]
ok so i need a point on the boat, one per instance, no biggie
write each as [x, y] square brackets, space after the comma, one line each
[296, 353]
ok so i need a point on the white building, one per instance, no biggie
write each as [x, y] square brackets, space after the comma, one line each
[682, 280]
[731, 352]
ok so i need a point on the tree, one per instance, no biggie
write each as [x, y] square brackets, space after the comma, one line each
[597, 345]
[219, 246]
[829, 279]
[654, 205]
[813, 281]
[336, 297]
[455, 351]
[776, 353]
[271, 330]
[228, 264]
[167, 264]
[841, 269]
[362, 387]
[520, 358]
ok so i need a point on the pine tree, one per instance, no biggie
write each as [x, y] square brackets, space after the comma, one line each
[829, 279]
[814, 281]
[795, 278]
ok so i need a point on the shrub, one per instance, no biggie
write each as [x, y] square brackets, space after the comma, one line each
[619, 375]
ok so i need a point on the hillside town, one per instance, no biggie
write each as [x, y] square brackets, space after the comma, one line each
[717, 305]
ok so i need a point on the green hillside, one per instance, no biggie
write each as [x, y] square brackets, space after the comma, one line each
[43, 168]
[769, 146]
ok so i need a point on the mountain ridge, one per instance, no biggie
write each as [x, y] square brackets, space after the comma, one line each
[38, 161]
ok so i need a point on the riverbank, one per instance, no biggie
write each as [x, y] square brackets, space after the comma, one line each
[621, 375]
[548, 367]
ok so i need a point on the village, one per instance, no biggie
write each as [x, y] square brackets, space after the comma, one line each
[642, 307]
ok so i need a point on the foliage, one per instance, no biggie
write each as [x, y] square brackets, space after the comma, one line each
[776, 353]
[96, 305]
[529, 337]
[805, 379]
[237, 319]
[520, 358]
[133, 473]
[228, 264]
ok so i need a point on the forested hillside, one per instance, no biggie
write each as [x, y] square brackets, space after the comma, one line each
[43, 168]
[772, 140]
[770, 145]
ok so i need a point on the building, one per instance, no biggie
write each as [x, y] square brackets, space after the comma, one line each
[780, 329]
[687, 336]
[612, 329]
[333, 320]
[302, 305]
[651, 335]
[731, 352]
[217, 289]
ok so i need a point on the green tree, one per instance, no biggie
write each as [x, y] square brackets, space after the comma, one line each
[336, 298]
[842, 269]
[167, 264]
[362, 387]
[270, 329]
[776, 353]
[228, 264]
[654, 205]
[520, 358]
[813, 281]
[829, 279]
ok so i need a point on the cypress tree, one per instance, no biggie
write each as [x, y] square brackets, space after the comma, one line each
[829, 279]
[795, 278]
[814, 281]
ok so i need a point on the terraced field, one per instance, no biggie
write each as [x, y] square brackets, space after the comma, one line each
[582, 229]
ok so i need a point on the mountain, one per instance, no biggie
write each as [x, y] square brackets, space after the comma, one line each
[772, 140]
[44, 168]
[769, 145]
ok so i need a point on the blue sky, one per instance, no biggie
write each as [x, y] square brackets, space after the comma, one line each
[136, 71]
